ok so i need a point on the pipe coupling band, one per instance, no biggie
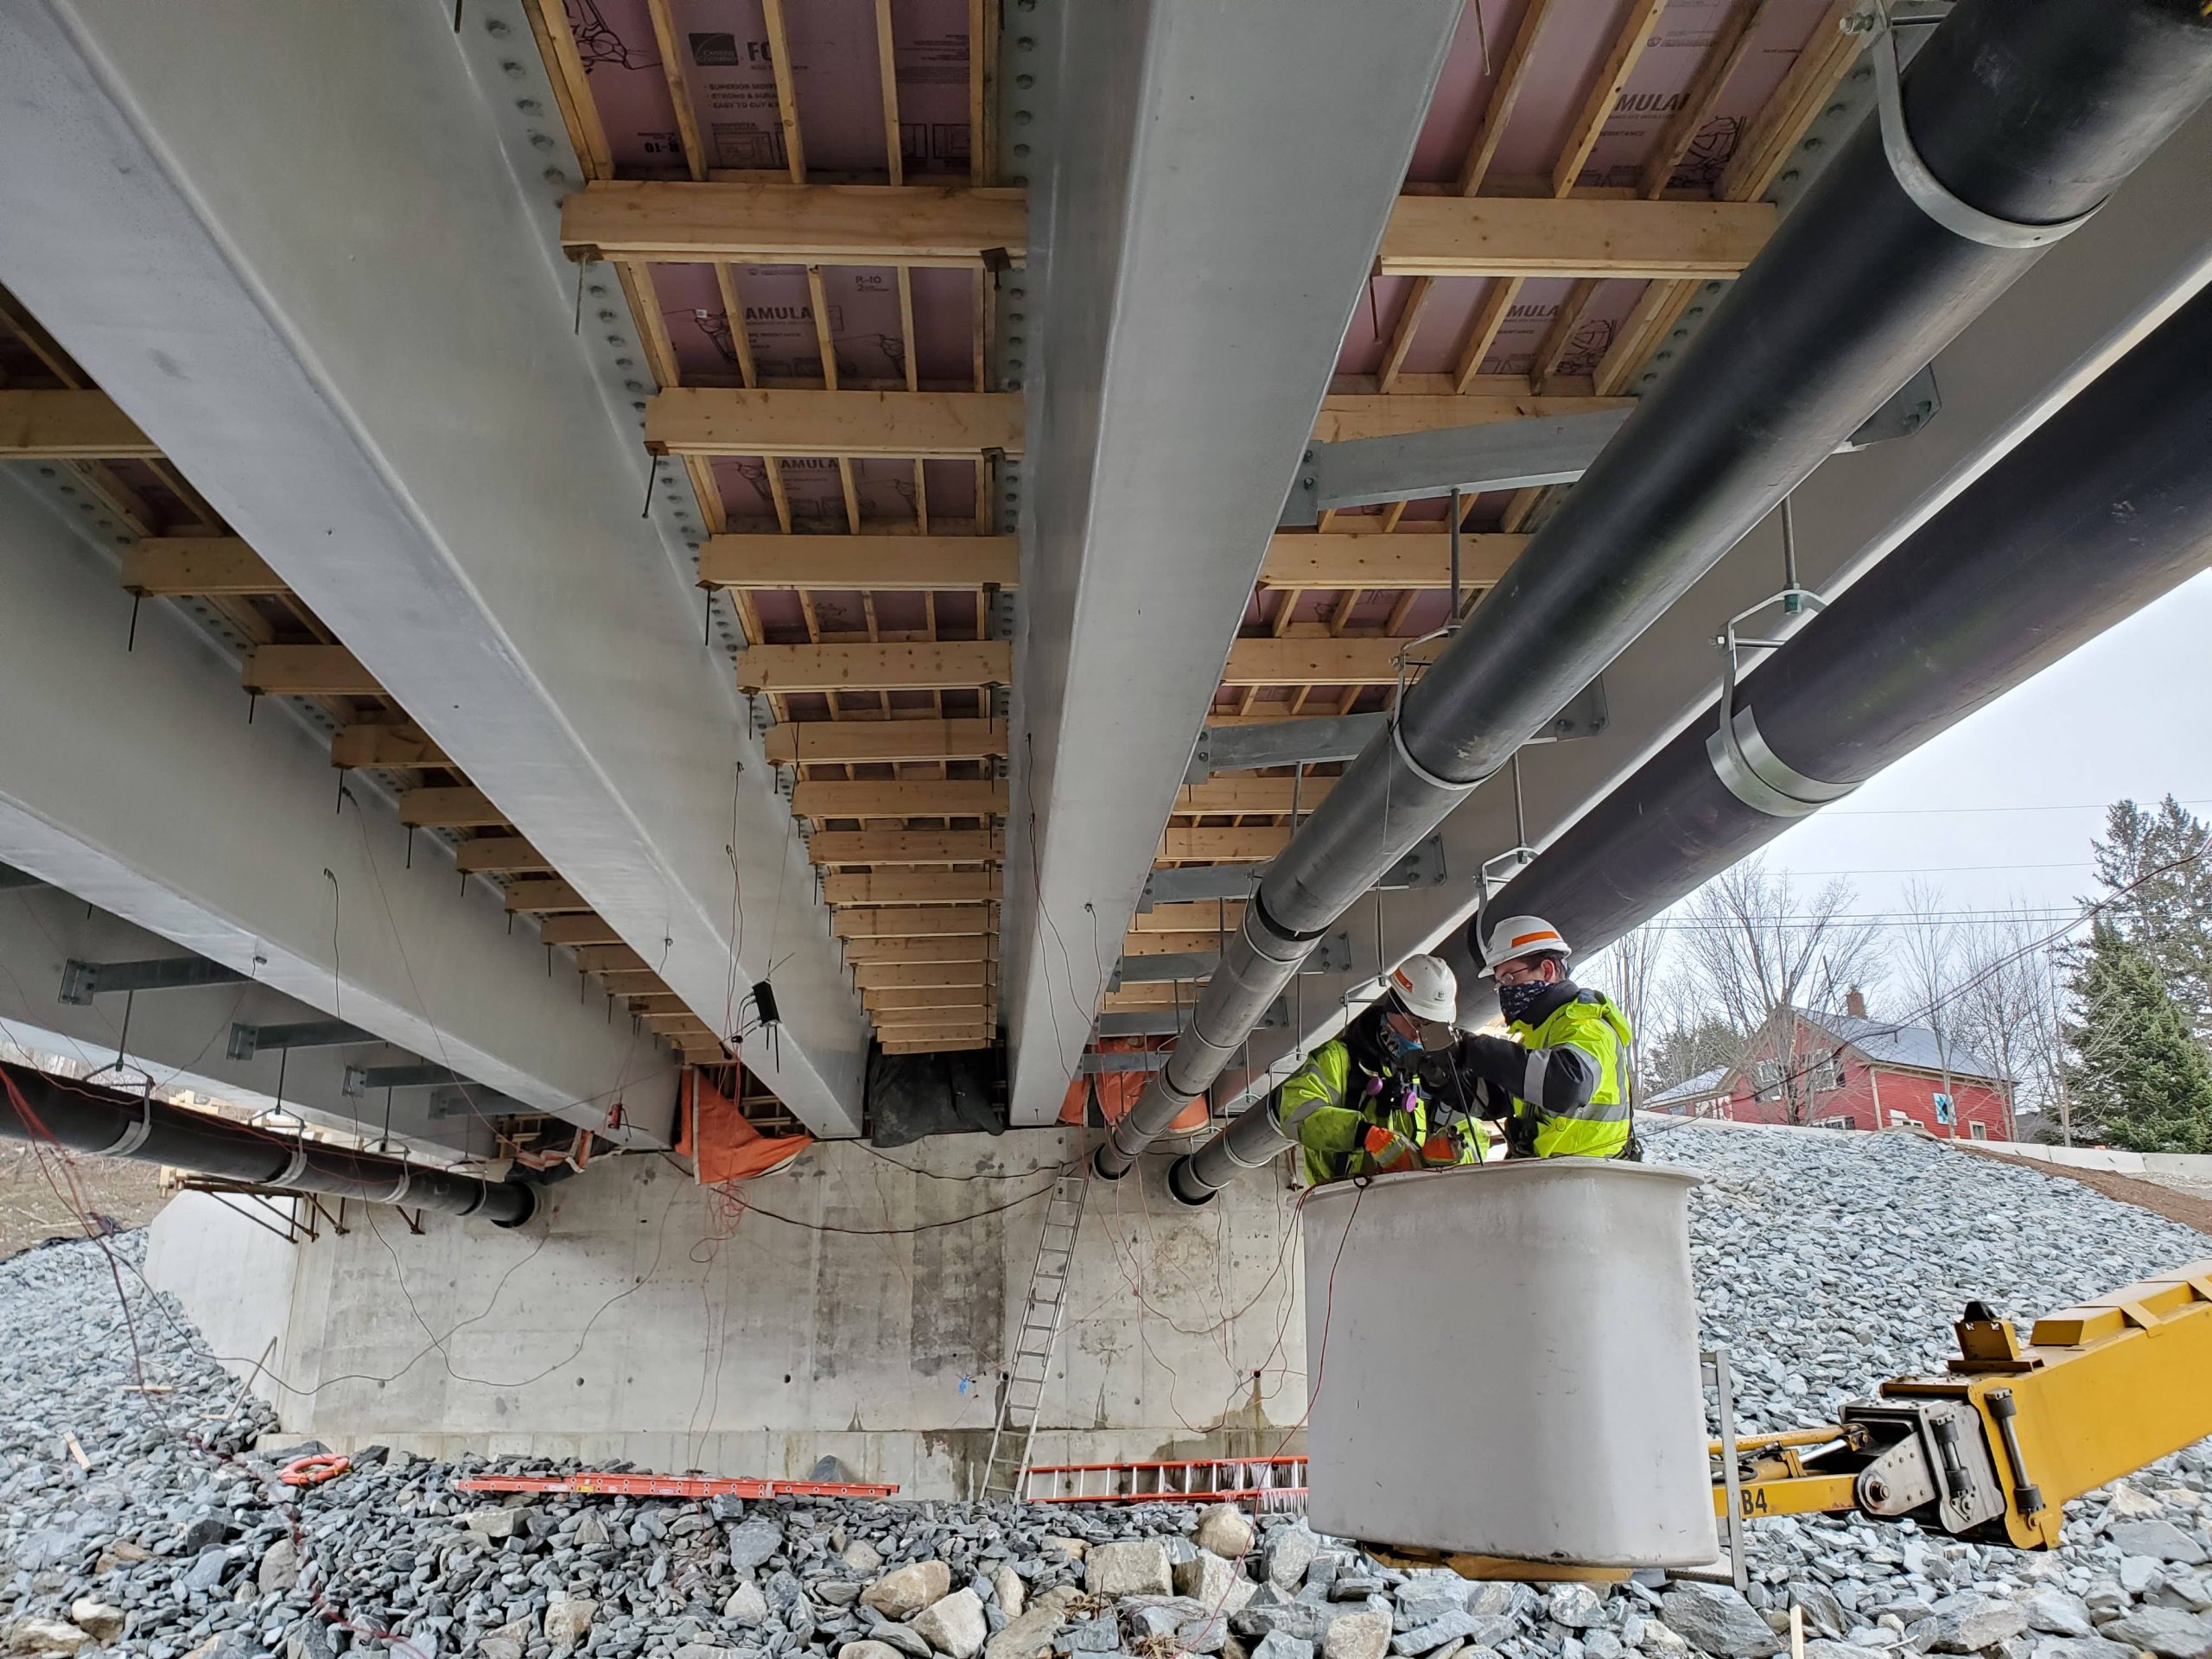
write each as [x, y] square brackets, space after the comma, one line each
[1928, 192]
[398, 1193]
[1759, 778]
[1398, 743]
[293, 1171]
[134, 1134]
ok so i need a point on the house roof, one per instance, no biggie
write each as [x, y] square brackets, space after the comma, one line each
[1696, 1088]
[1888, 1043]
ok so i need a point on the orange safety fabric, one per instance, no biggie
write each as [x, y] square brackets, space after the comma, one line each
[722, 1145]
[1119, 1091]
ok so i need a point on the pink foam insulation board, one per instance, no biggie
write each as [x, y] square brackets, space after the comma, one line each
[729, 72]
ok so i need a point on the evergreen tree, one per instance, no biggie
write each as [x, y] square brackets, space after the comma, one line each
[2168, 916]
[1684, 1051]
[2137, 1073]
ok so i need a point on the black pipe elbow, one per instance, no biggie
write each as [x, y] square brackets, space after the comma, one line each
[1185, 1190]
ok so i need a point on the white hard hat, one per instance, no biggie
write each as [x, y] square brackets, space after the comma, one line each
[1521, 936]
[1427, 986]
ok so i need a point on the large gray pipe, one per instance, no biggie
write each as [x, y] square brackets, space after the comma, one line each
[2029, 112]
[2105, 508]
[108, 1122]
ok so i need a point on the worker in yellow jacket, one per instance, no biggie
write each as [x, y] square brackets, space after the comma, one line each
[1357, 1106]
[1558, 1081]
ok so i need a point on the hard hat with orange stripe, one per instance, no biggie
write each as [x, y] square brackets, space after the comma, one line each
[1521, 936]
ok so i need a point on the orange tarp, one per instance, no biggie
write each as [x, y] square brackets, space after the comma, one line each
[722, 1145]
[1119, 1091]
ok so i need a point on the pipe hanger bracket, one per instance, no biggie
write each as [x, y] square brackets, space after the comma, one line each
[1759, 778]
[1914, 176]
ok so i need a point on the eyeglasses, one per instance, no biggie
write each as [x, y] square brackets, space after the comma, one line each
[1518, 972]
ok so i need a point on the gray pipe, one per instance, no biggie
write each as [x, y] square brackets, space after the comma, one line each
[2029, 114]
[85, 1117]
[2104, 508]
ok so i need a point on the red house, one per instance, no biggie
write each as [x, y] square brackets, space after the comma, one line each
[1848, 1071]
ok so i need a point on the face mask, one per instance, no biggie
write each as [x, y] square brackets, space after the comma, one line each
[1398, 1047]
[1518, 1001]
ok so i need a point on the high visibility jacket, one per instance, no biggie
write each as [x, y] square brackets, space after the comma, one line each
[1317, 1108]
[1571, 1103]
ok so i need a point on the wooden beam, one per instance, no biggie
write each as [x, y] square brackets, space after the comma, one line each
[62, 425]
[955, 947]
[393, 747]
[948, 665]
[776, 224]
[944, 1042]
[612, 959]
[1313, 662]
[806, 421]
[546, 898]
[501, 855]
[1722, 55]
[450, 809]
[1493, 398]
[1245, 792]
[168, 567]
[307, 671]
[1188, 844]
[876, 976]
[865, 742]
[1169, 944]
[1634, 33]
[1404, 560]
[901, 887]
[926, 799]
[1150, 995]
[577, 930]
[891, 998]
[906, 846]
[1199, 916]
[1774, 133]
[881, 564]
[658, 1002]
[977, 1012]
[1533, 237]
[1505, 91]
[914, 922]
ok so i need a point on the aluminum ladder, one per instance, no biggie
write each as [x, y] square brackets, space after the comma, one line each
[1006, 1471]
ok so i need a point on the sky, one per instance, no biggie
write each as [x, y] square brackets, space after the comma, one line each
[2001, 808]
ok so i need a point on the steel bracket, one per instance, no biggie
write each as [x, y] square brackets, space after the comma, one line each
[247, 1041]
[1419, 466]
[82, 981]
[1331, 955]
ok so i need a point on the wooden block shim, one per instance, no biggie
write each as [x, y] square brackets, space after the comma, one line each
[949, 665]
[394, 747]
[306, 672]
[863, 742]
[881, 564]
[172, 567]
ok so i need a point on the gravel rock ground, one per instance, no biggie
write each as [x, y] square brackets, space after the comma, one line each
[1826, 1263]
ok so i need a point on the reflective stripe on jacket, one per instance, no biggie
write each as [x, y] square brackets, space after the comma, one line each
[1313, 1108]
[1572, 1089]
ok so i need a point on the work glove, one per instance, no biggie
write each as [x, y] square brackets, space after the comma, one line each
[1497, 1063]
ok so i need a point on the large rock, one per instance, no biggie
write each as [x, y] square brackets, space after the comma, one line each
[1224, 1530]
[1823, 1613]
[279, 1569]
[1213, 1581]
[101, 1620]
[46, 1636]
[2166, 1630]
[1427, 1597]
[2059, 1612]
[748, 1604]
[1031, 1635]
[1575, 1606]
[1356, 1635]
[1714, 1619]
[1455, 1626]
[1276, 1645]
[861, 1559]
[2161, 1540]
[1287, 1553]
[495, 1524]
[868, 1651]
[568, 1620]
[904, 1593]
[1138, 1568]
[1969, 1623]
[955, 1625]
[591, 1531]
[1013, 1594]
[752, 1542]
[2075, 1647]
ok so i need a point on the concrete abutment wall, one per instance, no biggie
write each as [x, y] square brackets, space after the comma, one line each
[854, 1304]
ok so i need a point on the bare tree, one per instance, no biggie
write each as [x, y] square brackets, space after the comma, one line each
[1931, 959]
[1631, 971]
[2011, 1010]
[1759, 950]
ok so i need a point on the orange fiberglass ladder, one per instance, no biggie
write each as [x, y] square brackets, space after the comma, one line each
[1270, 1484]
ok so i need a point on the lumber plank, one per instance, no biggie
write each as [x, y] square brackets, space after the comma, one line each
[914, 665]
[169, 567]
[952, 947]
[913, 921]
[612, 959]
[1375, 415]
[895, 998]
[1405, 560]
[906, 846]
[546, 898]
[390, 747]
[882, 564]
[1198, 916]
[807, 422]
[69, 425]
[307, 671]
[1541, 236]
[875, 975]
[919, 798]
[458, 808]
[1247, 792]
[944, 1044]
[1192, 844]
[877, 888]
[577, 930]
[1313, 662]
[502, 856]
[870, 741]
[774, 223]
